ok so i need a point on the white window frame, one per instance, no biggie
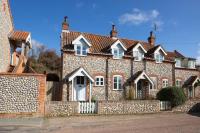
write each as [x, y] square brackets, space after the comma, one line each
[179, 81]
[178, 63]
[99, 81]
[160, 58]
[118, 55]
[191, 64]
[165, 83]
[118, 83]
[81, 50]
[138, 56]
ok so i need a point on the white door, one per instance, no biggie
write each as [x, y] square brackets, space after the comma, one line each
[80, 88]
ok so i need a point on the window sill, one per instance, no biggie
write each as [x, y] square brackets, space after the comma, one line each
[159, 62]
[137, 60]
[117, 58]
[117, 89]
[81, 55]
[99, 85]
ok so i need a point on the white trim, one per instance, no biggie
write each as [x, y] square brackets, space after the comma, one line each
[80, 72]
[117, 85]
[160, 54]
[143, 75]
[81, 37]
[73, 89]
[166, 84]
[180, 81]
[99, 81]
[28, 40]
[160, 48]
[118, 42]
[137, 46]
[195, 81]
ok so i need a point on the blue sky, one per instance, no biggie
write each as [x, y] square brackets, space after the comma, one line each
[178, 21]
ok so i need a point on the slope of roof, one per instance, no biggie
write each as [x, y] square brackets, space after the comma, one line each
[190, 81]
[152, 50]
[100, 44]
[18, 35]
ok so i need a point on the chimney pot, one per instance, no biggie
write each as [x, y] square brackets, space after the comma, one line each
[65, 24]
[113, 32]
[151, 39]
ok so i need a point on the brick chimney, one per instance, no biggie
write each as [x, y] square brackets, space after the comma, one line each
[65, 25]
[152, 39]
[113, 32]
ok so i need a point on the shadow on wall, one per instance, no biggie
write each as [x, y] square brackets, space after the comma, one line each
[195, 110]
[54, 92]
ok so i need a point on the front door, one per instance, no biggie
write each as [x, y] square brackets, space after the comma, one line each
[80, 88]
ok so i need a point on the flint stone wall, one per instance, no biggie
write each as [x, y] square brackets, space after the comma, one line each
[5, 28]
[128, 107]
[22, 94]
[188, 106]
[58, 108]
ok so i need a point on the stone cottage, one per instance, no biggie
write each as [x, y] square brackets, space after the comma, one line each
[112, 68]
[14, 44]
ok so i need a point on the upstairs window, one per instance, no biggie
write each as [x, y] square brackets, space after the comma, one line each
[191, 64]
[165, 83]
[178, 62]
[117, 82]
[117, 50]
[81, 45]
[159, 57]
[138, 55]
[81, 50]
[117, 53]
[178, 83]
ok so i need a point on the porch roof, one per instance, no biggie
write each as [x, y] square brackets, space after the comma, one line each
[191, 81]
[80, 72]
[141, 75]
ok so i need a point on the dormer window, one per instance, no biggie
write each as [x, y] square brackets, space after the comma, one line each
[81, 50]
[118, 50]
[117, 54]
[178, 63]
[191, 64]
[159, 54]
[138, 55]
[81, 46]
[159, 58]
[138, 52]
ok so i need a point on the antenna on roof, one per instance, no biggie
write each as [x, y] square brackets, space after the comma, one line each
[155, 27]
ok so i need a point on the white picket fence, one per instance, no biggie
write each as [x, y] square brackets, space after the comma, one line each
[87, 107]
[165, 105]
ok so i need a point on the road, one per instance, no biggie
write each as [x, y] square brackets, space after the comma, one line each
[148, 123]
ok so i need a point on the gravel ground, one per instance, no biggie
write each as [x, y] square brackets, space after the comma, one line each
[148, 123]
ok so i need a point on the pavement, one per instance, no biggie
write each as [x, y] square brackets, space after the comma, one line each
[144, 123]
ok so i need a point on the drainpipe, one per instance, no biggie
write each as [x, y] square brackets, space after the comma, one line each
[173, 74]
[106, 86]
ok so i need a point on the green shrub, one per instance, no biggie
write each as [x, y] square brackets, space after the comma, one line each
[173, 94]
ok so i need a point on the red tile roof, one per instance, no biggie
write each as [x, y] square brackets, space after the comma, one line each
[190, 81]
[174, 54]
[18, 35]
[100, 44]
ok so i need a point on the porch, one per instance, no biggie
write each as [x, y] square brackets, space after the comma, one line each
[141, 85]
[81, 85]
[191, 87]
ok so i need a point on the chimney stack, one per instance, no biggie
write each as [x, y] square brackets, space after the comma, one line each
[113, 32]
[152, 38]
[65, 25]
